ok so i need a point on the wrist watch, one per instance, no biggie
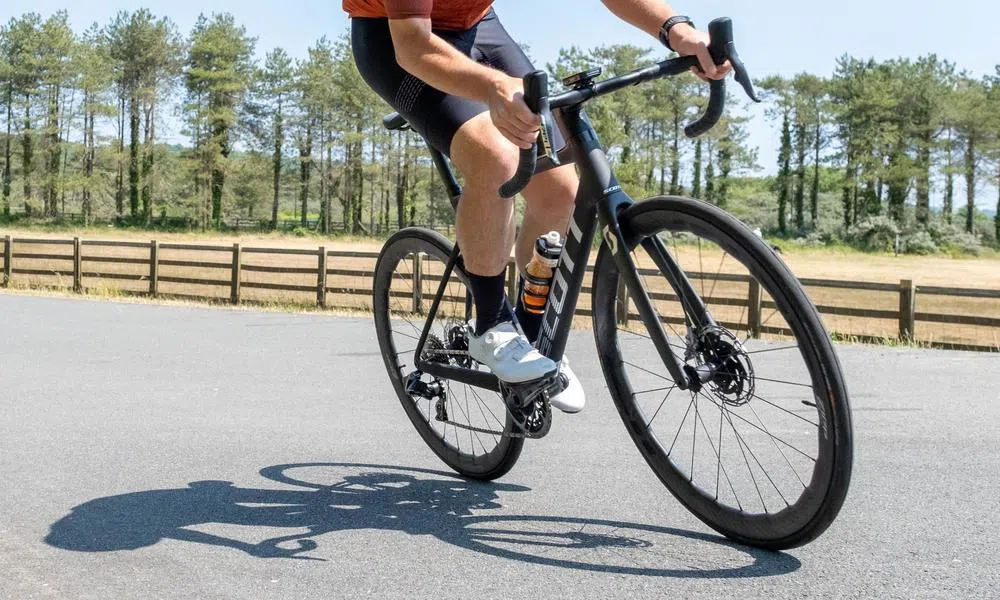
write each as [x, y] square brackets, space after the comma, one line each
[668, 25]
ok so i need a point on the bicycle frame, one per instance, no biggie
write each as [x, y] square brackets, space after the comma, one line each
[599, 201]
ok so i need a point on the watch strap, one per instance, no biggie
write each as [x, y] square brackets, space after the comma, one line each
[668, 25]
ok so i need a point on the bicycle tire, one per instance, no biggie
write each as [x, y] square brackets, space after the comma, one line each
[821, 500]
[488, 465]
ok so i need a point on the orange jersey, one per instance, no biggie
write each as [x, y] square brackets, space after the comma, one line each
[455, 15]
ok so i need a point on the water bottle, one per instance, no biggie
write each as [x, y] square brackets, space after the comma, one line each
[539, 272]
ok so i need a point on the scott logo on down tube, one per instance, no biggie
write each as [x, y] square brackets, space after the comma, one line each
[610, 240]
[560, 288]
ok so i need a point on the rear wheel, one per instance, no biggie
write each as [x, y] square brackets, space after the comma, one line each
[462, 424]
[763, 451]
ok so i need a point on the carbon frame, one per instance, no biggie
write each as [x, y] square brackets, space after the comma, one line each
[599, 200]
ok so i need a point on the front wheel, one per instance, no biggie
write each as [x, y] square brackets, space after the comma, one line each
[762, 452]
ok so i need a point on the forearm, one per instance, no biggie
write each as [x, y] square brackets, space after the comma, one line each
[436, 62]
[646, 15]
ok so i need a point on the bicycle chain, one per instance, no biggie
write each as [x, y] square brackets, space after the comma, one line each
[518, 423]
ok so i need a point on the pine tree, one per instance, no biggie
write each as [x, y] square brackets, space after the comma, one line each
[219, 69]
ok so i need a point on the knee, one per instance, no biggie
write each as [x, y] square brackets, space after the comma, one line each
[485, 158]
[554, 191]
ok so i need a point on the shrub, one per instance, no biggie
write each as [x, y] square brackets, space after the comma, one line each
[952, 237]
[919, 242]
[874, 234]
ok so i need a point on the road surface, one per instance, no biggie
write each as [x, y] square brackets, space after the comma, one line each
[147, 452]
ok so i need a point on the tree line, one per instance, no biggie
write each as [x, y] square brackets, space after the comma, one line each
[273, 138]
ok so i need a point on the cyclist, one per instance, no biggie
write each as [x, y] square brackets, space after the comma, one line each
[452, 70]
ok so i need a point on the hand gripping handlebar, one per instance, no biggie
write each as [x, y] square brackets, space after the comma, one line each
[536, 96]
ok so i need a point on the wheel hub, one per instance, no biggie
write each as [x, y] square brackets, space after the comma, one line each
[723, 366]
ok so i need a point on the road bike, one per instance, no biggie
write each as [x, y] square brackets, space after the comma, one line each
[716, 359]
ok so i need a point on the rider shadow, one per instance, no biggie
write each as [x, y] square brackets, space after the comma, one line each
[415, 501]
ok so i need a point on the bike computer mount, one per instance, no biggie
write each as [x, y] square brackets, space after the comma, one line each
[582, 79]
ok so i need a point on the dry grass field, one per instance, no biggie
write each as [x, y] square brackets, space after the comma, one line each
[349, 278]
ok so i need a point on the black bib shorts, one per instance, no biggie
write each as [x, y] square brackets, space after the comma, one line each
[432, 113]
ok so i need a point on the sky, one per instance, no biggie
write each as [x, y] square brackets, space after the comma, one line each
[773, 36]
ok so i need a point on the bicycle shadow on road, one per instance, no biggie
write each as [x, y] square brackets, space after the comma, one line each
[415, 501]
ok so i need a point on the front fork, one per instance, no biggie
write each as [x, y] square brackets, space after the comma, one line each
[621, 243]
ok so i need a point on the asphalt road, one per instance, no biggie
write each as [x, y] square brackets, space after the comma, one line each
[147, 451]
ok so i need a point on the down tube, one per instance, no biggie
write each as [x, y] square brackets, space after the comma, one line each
[568, 281]
[596, 180]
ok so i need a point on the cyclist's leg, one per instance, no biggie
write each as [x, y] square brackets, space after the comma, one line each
[549, 196]
[459, 128]
[462, 129]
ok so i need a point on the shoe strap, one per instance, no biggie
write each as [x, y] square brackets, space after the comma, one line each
[516, 344]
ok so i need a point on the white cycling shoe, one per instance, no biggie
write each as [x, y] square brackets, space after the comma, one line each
[514, 360]
[510, 355]
[571, 399]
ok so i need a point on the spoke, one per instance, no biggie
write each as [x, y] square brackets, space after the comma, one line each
[486, 422]
[640, 335]
[805, 385]
[654, 390]
[759, 378]
[778, 448]
[412, 337]
[701, 269]
[754, 425]
[662, 402]
[681, 426]
[739, 321]
[467, 420]
[740, 443]
[482, 403]
[718, 456]
[782, 408]
[762, 469]
[469, 412]
[769, 317]
[718, 271]
[718, 467]
[406, 263]
[404, 352]
[648, 371]
[405, 320]
[773, 349]
[694, 436]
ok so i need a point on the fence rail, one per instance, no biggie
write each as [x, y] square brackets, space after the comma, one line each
[79, 261]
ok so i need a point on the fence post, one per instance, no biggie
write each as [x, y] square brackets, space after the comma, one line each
[753, 309]
[77, 266]
[907, 309]
[621, 311]
[321, 279]
[234, 295]
[512, 282]
[418, 283]
[8, 256]
[154, 268]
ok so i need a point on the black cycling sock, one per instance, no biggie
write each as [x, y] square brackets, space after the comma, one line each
[490, 295]
[531, 323]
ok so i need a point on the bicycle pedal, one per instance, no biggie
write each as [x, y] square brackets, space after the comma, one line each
[526, 392]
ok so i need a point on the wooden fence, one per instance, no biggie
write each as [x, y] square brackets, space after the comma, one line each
[83, 259]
